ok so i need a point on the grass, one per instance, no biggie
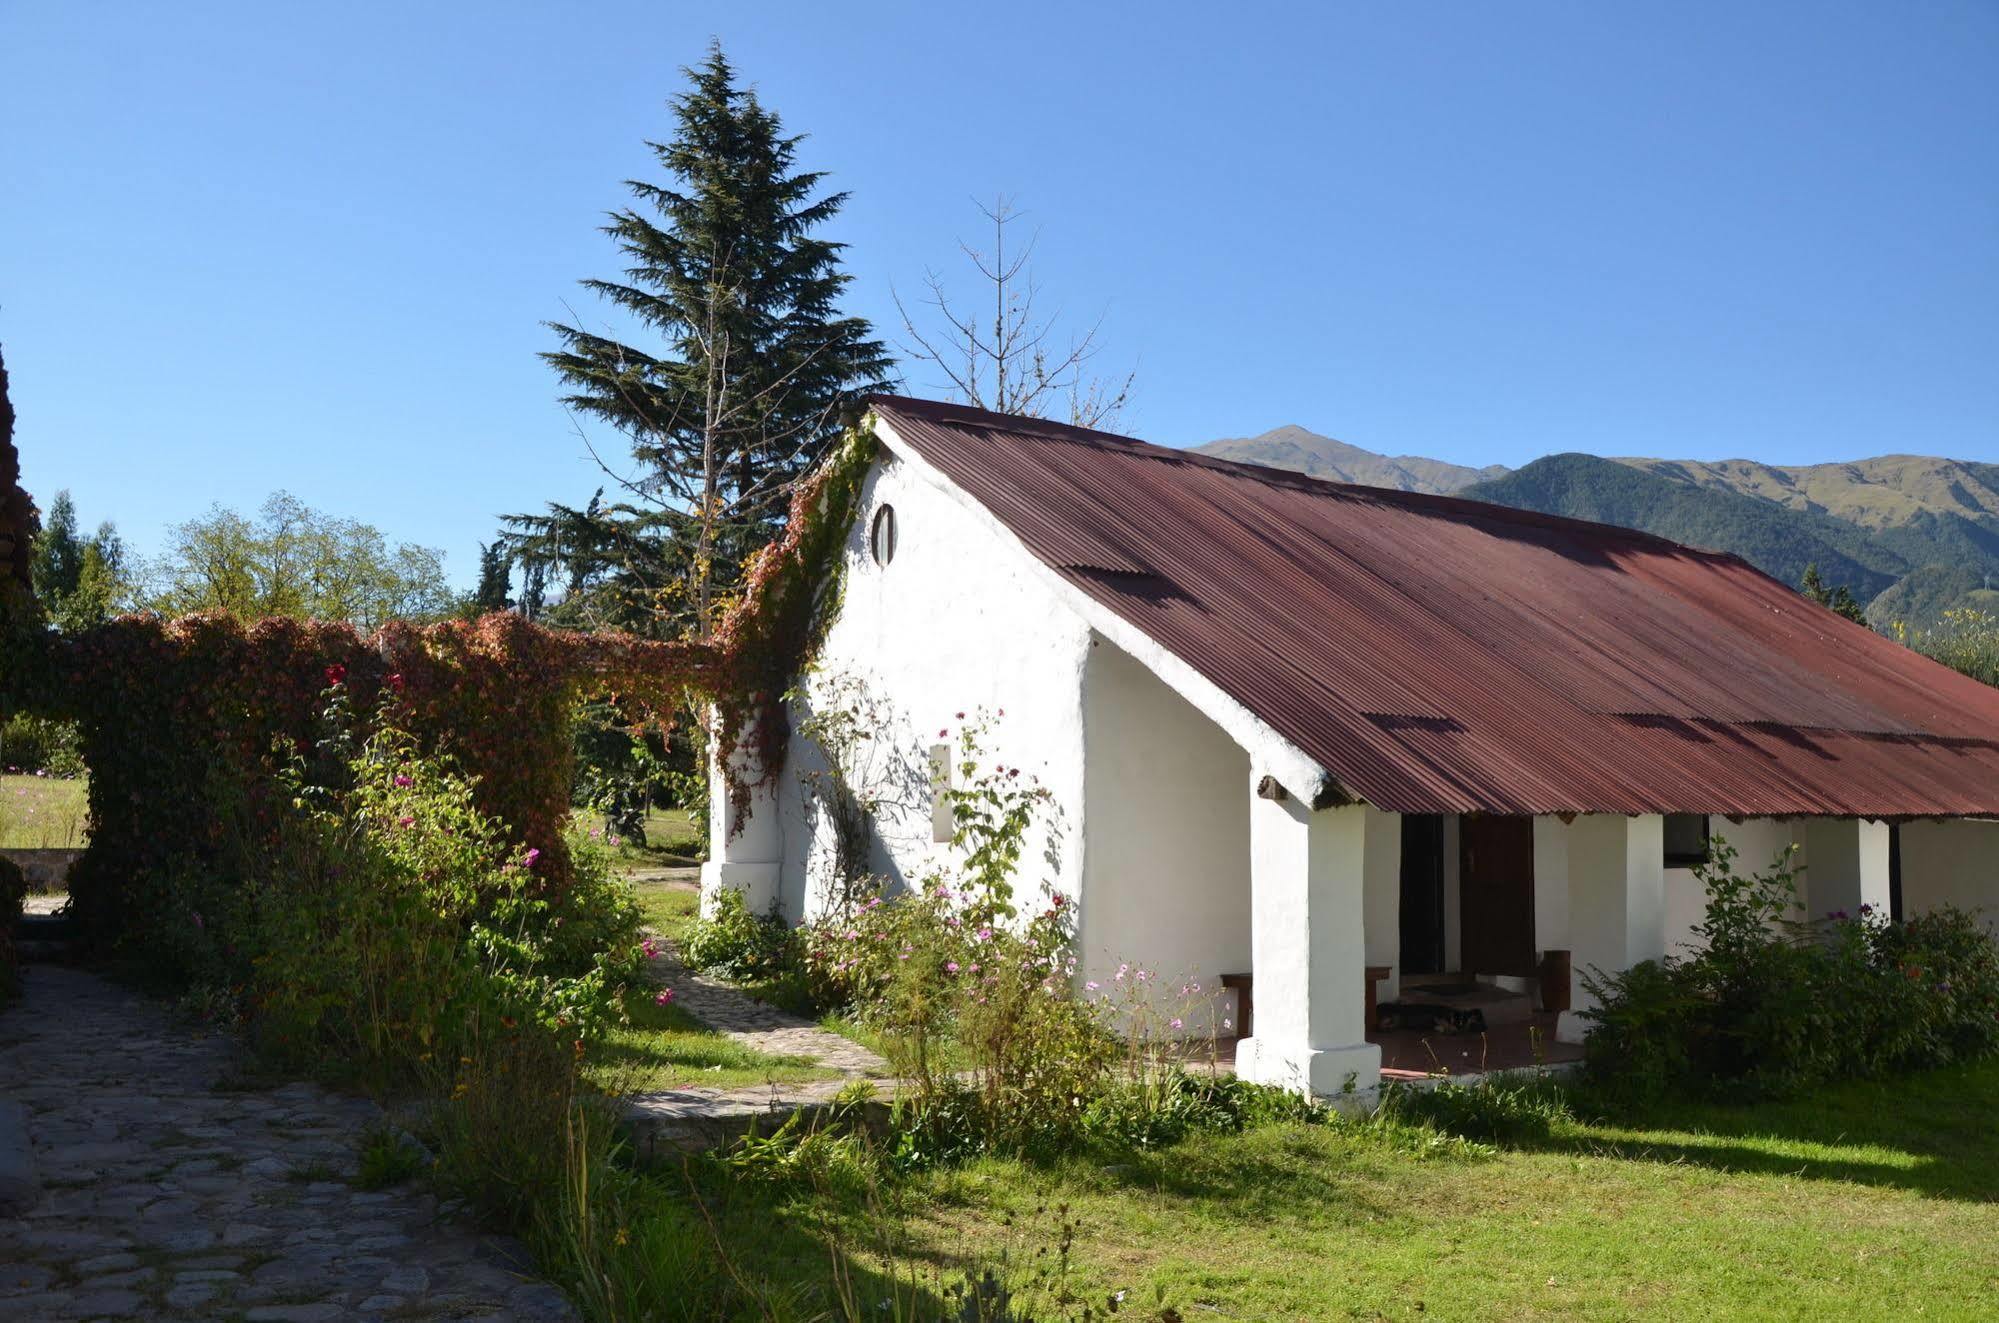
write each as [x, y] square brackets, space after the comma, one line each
[669, 909]
[1869, 1199]
[41, 813]
[672, 840]
[666, 1048]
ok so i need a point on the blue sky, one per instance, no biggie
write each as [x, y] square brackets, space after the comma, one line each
[252, 246]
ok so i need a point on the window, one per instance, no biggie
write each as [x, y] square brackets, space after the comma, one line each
[1686, 840]
[943, 818]
[881, 535]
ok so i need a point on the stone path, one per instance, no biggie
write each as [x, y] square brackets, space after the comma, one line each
[759, 1025]
[163, 1197]
[753, 1023]
[708, 1118]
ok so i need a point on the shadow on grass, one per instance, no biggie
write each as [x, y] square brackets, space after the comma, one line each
[1931, 1133]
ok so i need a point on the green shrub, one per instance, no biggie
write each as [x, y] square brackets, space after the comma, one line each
[1770, 1006]
[735, 943]
[31, 744]
[387, 1157]
[1500, 1110]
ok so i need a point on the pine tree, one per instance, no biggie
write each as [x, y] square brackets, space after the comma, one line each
[745, 387]
[496, 574]
[1840, 599]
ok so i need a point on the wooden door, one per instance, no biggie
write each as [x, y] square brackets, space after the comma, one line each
[1422, 907]
[1496, 893]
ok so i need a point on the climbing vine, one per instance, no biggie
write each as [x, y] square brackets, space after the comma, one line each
[181, 719]
[791, 596]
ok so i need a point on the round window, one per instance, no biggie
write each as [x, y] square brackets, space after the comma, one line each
[881, 536]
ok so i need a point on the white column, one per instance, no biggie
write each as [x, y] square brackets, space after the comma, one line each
[1308, 947]
[1846, 866]
[1617, 900]
[748, 860]
[1381, 897]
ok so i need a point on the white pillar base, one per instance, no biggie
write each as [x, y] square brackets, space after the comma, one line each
[1321, 1072]
[757, 882]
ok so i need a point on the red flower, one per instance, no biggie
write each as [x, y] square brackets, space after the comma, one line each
[335, 675]
[395, 681]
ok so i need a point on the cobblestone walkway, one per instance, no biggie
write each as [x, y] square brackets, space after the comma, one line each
[742, 1017]
[757, 1024]
[164, 1198]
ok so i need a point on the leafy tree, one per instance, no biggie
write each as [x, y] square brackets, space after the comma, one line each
[748, 368]
[1840, 599]
[80, 580]
[292, 560]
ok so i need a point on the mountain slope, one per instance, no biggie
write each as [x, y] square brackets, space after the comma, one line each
[1910, 535]
[1293, 447]
[1777, 540]
[1888, 491]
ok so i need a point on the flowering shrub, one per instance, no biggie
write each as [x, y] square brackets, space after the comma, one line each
[384, 920]
[1772, 1006]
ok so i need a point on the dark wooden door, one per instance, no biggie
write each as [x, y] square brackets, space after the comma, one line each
[1496, 893]
[1422, 893]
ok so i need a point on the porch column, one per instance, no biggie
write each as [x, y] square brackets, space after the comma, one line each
[1617, 901]
[1308, 946]
[1846, 866]
[749, 860]
[1381, 899]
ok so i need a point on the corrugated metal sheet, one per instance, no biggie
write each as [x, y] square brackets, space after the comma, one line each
[1440, 655]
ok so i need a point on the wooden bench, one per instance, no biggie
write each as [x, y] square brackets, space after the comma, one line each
[1244, 984]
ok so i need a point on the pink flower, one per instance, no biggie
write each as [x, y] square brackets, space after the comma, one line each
[1092, 985]
[403, 782]
[950, 966]
[1175, 1023]
[985, 934]
[665, 995]
[529, 858]
[406, 821]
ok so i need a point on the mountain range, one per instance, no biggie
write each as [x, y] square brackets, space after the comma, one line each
[1910, 535]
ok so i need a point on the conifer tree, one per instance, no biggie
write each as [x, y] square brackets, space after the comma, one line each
[496, 573]
[1840, 599]
[747, 370]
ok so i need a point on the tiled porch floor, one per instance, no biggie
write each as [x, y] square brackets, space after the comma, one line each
[1408, 1054]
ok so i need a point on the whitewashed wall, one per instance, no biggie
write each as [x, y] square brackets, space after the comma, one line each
[1951, 863]
[1166, 840]
[955, 623]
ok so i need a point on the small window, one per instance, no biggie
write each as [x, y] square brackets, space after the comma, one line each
[943, 817]
[1686, 840]
[881, 535]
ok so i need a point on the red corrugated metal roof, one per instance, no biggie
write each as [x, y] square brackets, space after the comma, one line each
[1441, 655]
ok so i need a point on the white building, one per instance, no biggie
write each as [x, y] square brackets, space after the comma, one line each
[1319, 737]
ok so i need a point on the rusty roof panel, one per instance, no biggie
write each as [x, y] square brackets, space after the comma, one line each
[1441, 655]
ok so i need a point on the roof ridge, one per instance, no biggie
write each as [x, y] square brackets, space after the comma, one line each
[1423, 502]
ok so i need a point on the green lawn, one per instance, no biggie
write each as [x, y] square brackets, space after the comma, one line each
[666, 1048]
[672, 840]
[1877, 1200]
[41, 813]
